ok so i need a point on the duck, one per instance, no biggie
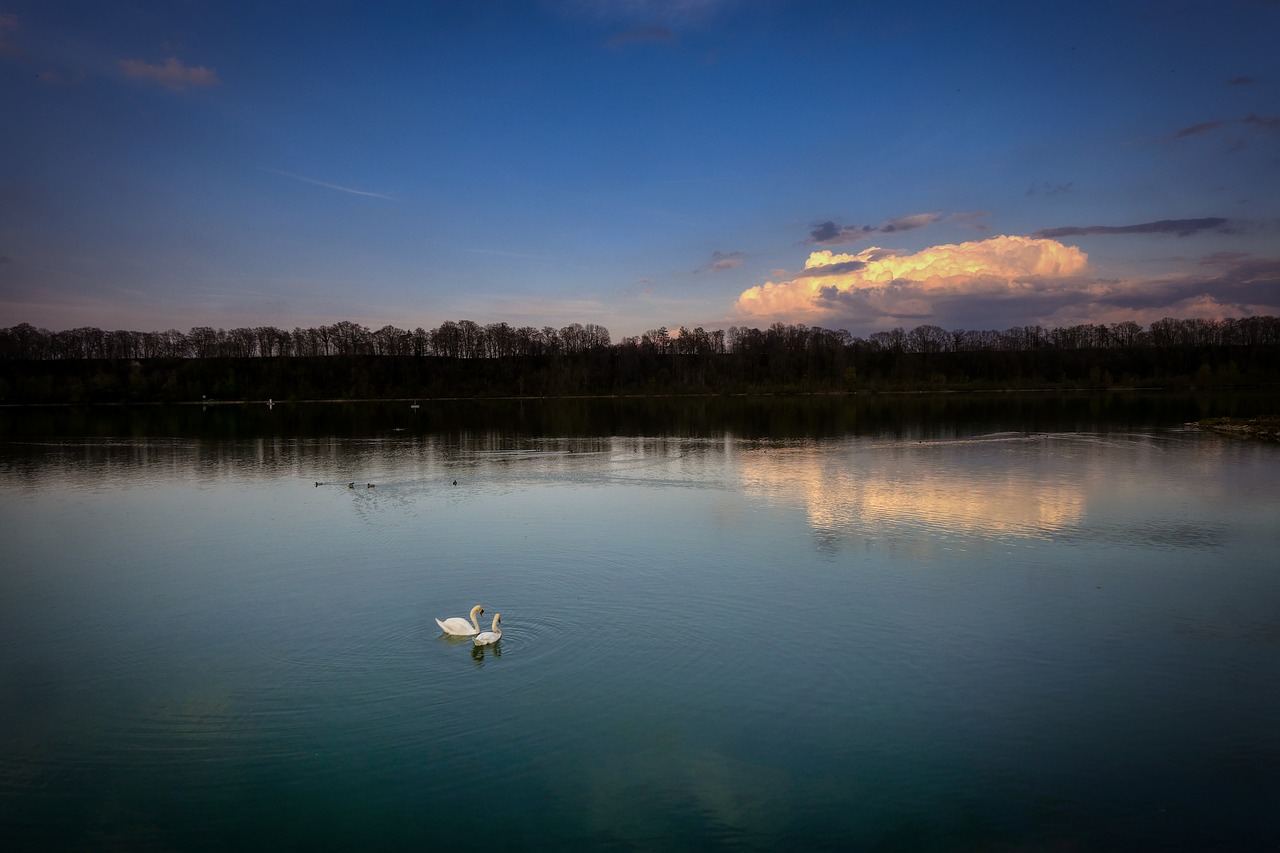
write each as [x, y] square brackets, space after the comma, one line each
[458, 626]
[490, 636]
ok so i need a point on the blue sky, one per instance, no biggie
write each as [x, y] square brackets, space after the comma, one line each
[637, 163]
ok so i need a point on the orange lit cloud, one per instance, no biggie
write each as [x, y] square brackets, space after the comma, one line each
[172, 73]
[876, 283]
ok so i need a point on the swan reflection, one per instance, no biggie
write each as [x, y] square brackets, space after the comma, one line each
[478, 653]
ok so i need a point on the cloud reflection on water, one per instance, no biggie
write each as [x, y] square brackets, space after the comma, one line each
[917, 489]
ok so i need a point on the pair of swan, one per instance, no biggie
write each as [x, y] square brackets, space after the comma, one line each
[459, 627]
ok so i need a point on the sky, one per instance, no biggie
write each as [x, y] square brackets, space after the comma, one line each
[637, 164]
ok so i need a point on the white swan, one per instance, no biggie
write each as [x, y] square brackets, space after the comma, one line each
[487, 637]
[458, 626]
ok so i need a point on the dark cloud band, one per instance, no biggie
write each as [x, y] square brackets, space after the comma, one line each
[1180, 227]
[829, 233]
[838, 268]
[1252, 120]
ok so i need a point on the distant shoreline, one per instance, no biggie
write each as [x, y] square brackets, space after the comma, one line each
[1235, 425]
[1265, 428]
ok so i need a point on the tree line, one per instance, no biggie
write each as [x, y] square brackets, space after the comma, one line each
[465, 359]
[461, 339]
[468, 339]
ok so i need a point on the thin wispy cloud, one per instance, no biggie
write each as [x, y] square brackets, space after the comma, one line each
[975, 219]
[1252, 120]
[1242, 81]
[1215, 259]
[721, 261]
[830, 233]
[1180, 227]
[330, 186]
[1050, 189]
[9, 28]
[172, 74]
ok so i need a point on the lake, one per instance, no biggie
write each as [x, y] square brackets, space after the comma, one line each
[964, 623]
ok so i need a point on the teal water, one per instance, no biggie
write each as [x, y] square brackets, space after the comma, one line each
[916, 635]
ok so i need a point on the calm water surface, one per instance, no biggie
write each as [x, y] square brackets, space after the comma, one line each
[900, 638]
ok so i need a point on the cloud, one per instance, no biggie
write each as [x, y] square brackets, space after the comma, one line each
[1202, 127]
[721, 261]
[830, 234]
[1051, 189]
[1249, 287]
[878, 284]
[9, 28]
[58, 78]
[172, 73]
[908, 223]
[975, 219]
[825, 233]
[330, 186]
[1181, 227]
[1217, 259]
[1242, 81]
[1002, 282]
[834, 268]
[1252, 120]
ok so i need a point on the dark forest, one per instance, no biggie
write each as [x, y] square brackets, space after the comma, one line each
[465, 359]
